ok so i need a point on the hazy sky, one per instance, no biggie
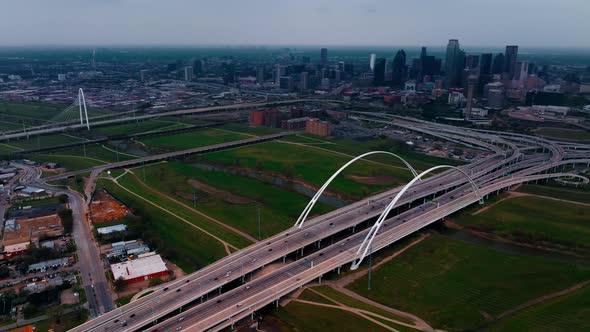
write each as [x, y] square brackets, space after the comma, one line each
[296, 22]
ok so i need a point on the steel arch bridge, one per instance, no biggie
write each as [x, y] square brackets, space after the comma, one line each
[363, 249]
[319, 193]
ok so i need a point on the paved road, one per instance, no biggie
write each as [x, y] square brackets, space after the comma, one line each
[62, 128]
[169, 155]
[95, 171]
[249, 259]
[506, 167]
[89, 262]
[253, 295]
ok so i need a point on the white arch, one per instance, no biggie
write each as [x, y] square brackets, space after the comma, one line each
[315, 198]
[82, 101]
[365, 245]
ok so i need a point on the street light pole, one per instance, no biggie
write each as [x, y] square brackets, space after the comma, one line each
[259, 231]
[370, 267]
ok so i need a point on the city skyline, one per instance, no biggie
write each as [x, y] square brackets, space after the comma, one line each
[327, 23]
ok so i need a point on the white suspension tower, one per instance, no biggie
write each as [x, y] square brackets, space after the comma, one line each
[82, 101]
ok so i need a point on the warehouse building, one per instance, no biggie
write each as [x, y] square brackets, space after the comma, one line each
[146, 266]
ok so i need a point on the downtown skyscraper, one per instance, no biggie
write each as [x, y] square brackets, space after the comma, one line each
[399, 69]
[510, 57]
[454, 62]
[324, 56]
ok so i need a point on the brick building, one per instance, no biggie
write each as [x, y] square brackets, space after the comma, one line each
[318, 127]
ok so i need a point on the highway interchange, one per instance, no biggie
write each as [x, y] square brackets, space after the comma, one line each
[513, 159]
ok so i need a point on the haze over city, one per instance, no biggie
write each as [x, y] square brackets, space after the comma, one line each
[528, 23]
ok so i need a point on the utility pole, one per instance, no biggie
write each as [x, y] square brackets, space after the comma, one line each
[194, 198]
[259, 232]
[84, 147]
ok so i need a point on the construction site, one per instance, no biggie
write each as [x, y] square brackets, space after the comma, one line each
[104, 208]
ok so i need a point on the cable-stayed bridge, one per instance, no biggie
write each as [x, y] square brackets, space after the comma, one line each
[78, 116]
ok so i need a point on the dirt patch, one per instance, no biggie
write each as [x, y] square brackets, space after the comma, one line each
[132, 288]
[221, 194]
[52, 170]
[105, 207]
[175, 271]
[373, 180]
[68, 297]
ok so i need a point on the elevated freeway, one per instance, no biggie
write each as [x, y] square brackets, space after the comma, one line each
[61, 127]
[170, 155]
[506, 167]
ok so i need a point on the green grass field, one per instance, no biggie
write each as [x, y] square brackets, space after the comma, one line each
[570, 194]
[193, 249]
[454, 285]
[77, 158]
[37, 202]
[32, 110]
[352, 302]
[310, 318]
[310, 164]
[43, 141]
[191, 139]
[133, 183]
[69, 162]
[7, 125]
[132, 127]
[535, 219]
[354, 148]
[245, 129]
[279, 208]
[567, 134]
[565, 313]
[16, 112]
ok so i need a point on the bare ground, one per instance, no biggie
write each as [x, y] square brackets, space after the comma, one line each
[226, 196]
[373, 180]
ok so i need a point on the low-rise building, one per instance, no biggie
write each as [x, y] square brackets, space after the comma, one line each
[127, 248]
[293, 124]
[112, 229]
[20, 232]
[317, 127]
[549, 109]
[145, 267]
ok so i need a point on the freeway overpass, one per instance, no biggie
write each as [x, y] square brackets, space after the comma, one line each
[61, 127]
[228, 303]
[170, 155]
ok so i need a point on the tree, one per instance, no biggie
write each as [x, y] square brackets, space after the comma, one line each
[4, 271]
[56, 313]
[67, 219]
[63, 198]
[119, 284]
[30, 310]
[155, 282]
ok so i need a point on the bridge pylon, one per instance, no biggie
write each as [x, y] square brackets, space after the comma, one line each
[82, 104]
